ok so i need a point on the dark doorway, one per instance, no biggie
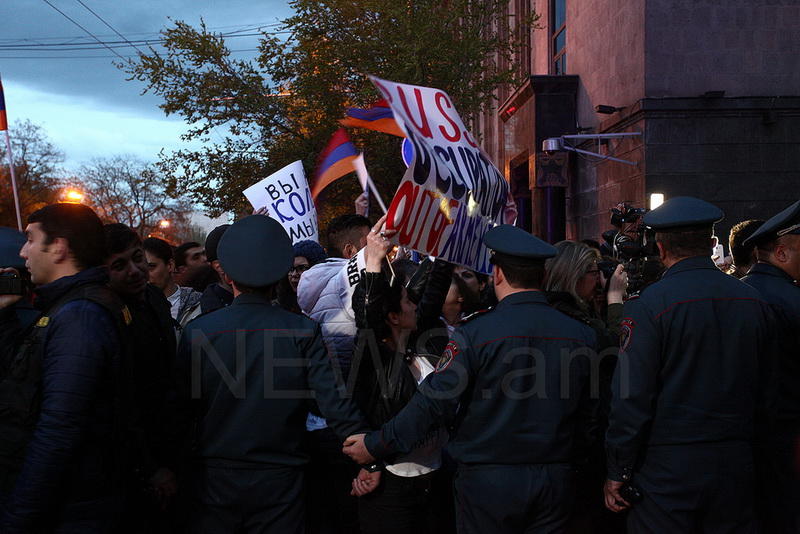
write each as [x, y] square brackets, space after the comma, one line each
[521, 192]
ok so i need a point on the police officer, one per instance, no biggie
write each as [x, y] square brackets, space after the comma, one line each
[251, 370]
[685, 387]
[514, 382]
[775, 276]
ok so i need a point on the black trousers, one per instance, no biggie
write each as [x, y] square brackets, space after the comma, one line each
[778, 468]
[400, 505]
[329, 478]
[702, 488]
[248, 501]
[513, 499]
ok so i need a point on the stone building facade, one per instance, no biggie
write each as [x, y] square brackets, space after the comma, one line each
[712, 86]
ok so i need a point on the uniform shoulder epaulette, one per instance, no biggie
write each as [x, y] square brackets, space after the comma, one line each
[473, 315]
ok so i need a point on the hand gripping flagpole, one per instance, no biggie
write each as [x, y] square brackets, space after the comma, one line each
[4, 126]
[364, 178]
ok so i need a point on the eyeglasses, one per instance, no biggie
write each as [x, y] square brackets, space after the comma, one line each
[299, 269]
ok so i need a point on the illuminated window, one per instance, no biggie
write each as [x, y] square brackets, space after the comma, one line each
[558, 34]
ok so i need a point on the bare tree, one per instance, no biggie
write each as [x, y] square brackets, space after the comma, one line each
[127, 190]
[37, 163]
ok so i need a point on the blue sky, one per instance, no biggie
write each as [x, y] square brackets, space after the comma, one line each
[83, 101]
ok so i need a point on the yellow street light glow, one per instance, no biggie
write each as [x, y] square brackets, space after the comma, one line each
[163, 223]
[74, 196]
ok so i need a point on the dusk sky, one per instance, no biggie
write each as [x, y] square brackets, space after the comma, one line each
[82, 100]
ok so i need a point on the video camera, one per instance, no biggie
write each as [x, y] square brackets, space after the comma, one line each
[631, 243]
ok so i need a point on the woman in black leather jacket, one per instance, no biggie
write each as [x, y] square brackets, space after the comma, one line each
[399, 341]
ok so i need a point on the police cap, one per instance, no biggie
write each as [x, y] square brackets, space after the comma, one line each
[680, 212]
[515, 242]
[212, 241]
[11, 241]
[786, 222]
[256, 251]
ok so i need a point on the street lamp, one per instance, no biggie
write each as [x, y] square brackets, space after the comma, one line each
[73, 196]
[557, 144]
[656, 199]
[163, 223]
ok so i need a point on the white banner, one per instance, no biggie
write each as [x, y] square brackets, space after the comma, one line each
[452, 193]
[287, 197]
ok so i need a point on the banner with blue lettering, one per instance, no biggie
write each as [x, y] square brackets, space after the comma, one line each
[451, 194]
[287, 197]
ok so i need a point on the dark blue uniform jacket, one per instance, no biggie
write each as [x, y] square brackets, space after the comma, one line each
[513, 381]
[689, 365]
[783, 295]
[253, 375]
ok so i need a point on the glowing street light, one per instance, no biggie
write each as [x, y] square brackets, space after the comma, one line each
[163, 223]
[73, 195]
[656, 199]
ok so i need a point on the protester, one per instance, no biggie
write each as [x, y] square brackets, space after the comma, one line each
[743, 255]
[777, 243]
[184, 301]
[386, 380]
[513, 449]
[459, 299]
[307, 253]
[62, 421]
[249, 464]
[152, 343]
[324, 293]
[189, 257]
[219, 294]
[572, 282]
[686, 387]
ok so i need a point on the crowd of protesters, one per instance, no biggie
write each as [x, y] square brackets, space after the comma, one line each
[210, 387]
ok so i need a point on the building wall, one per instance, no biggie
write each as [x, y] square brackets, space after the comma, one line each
[744, 47]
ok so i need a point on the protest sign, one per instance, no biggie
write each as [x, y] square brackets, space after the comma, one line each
[451, 194]
[287, 197]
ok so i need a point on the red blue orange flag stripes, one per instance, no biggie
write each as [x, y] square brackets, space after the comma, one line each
[334, 162]
[3, 117]
[378, 117]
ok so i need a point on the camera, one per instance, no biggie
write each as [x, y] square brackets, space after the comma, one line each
[11, 284]
[633, 244]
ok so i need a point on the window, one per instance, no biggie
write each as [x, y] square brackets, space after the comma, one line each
[522, 13]
[558, 34]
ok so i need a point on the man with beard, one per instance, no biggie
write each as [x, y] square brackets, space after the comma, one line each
[152, 346]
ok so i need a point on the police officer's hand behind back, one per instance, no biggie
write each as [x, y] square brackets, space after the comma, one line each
[9, 300]
[614, 500]
[354, 448]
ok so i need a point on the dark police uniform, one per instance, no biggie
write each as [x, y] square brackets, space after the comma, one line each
[779, 489]
[253, 369]
[514, 383]
[685, 391]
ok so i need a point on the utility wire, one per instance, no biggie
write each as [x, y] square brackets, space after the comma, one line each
[81, 27]
[109, 25]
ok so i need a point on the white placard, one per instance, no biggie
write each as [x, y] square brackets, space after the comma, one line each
[287, 197]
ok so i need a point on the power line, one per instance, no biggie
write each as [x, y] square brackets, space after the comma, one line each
[53, 47]
[103, 57]
[109, 25]
[81, 27]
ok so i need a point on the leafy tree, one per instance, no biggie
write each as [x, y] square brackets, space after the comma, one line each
[284, 104]
[124, 189]
[37, 168]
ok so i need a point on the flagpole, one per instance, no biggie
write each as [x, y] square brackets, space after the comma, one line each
[13, 180]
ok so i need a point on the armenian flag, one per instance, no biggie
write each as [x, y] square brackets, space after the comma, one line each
[3, 117]
[334, 162]
[378, 117]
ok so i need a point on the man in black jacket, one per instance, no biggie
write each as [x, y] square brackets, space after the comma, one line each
[250, 371]
[59, 440]
[775, 276]
[152, 345]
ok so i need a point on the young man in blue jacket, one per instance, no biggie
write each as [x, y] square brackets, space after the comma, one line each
[59, 446]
